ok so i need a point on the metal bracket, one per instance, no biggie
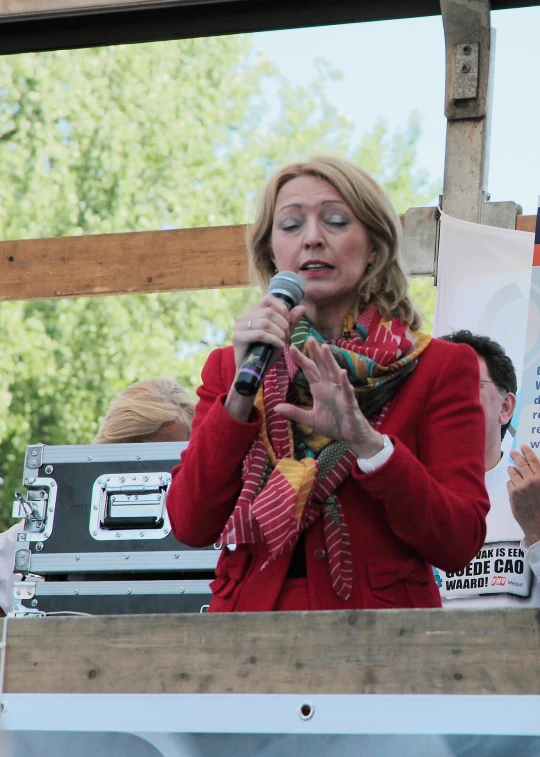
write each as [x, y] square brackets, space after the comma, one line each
[34, 457]
[21, 562]
[467, 36]
[24, 590]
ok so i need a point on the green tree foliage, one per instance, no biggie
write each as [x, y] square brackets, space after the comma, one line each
[164, 135]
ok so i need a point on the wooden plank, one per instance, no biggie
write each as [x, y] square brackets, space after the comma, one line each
[31, 8]
[526, 223]
[361, 652]
[144, 261]
[122, 22]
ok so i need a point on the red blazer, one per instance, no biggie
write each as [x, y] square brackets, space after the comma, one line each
[425, 506]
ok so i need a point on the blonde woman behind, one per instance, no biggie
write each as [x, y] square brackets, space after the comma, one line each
[155, 410]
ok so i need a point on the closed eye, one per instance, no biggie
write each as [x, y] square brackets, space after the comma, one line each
[337, 220]
[289, 225]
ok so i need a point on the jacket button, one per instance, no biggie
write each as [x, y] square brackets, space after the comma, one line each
[319, 555]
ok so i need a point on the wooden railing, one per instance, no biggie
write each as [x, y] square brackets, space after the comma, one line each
[360, 652]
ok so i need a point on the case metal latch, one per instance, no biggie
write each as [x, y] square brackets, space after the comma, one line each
[124, 502]
[37, 508]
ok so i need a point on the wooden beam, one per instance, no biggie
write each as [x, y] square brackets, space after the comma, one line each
[89, 23]
[526, 223]
[143, 261]
[43, 7]
[361, 652]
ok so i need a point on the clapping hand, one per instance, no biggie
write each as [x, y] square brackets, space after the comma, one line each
[524, 490]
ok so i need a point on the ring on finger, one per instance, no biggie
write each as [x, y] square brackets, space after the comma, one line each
[250, 323]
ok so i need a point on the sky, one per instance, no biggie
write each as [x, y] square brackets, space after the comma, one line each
[393, 67]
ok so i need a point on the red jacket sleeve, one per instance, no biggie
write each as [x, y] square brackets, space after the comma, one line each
[437, 502]
[207, 482]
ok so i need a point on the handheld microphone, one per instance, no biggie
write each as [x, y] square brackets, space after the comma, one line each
[289, 288]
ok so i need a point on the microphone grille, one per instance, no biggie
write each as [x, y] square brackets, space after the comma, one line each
[287, 282]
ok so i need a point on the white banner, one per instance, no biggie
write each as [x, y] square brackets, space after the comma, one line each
[483, 283]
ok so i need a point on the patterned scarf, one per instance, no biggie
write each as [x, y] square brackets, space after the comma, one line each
[291, 473]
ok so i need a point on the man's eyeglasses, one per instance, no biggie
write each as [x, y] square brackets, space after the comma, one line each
[499, 388]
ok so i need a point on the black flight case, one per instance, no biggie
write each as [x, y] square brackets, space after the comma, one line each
[97, 538]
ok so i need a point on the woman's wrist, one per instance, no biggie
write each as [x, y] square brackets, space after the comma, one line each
[368, 447]
[237, 406]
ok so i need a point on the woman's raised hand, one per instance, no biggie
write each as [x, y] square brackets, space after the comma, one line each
[269, 321]
[335, 412]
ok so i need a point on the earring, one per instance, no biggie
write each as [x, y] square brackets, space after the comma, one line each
[369, 268]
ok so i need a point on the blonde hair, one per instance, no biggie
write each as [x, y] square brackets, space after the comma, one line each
[385, 282]
[142, 409]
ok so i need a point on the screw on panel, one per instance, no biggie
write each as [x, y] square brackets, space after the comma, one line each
[118, 534]
[39, 546]
[467, 49]
[126, 557]
[128, 591]
[52, 484]
[48, 469]
[28, 481]
[76, 591]
[34, 452]
[51, 509]
[94, 533]
[176, 556]
[77, 557]
[34, 603]
[166, 531]
[141, 534]
[139, 457]
[89, 458]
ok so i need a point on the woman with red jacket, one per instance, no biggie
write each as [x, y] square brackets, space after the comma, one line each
[359, 463]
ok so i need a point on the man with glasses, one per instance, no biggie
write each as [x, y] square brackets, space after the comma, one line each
[503, 572]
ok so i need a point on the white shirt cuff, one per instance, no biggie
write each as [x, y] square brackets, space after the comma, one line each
[369, 464]
[532, 555]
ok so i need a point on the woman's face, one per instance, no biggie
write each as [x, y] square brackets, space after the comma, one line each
[316, 234]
